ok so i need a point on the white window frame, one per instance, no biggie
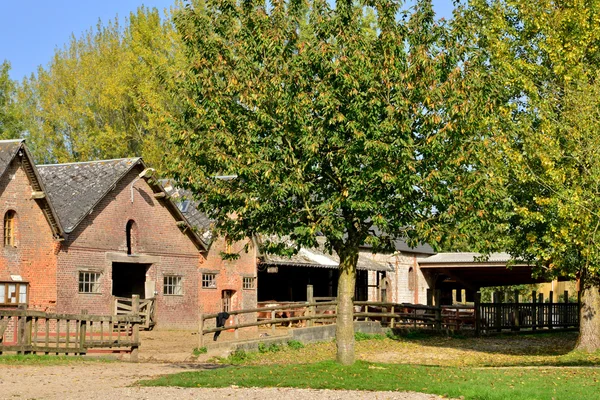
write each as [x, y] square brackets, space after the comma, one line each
[209, 280]
[173, 285]
[87, 285]
[249, 282]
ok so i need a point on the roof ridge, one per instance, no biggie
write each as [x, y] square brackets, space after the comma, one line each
[89, 162]
[11, 140]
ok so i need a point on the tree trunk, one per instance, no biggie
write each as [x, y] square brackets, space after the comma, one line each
[344, 332]
[589, 320]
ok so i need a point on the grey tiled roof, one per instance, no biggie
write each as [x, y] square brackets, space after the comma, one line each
[189, 208]
[8, 149]
[74, 189]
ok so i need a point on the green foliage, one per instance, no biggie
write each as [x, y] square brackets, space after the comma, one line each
[333, 120]
[272, 348]
[199, 350]
[102, 95]
[10, 112]
[238, 356]
[468, 383]
[295, 345]
[507, 291]
[359, 336]
[539, 66]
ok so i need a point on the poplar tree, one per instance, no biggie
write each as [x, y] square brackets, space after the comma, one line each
[541, 62]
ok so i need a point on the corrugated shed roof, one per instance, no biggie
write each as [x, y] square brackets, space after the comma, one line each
[319, 258]
[75, 188]
[8, 150]
[466, 257]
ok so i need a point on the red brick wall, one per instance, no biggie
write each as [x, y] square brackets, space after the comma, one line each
[229, 277]
[34, 257]
[103, 232]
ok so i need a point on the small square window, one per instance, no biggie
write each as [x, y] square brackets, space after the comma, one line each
[249, 282]
[89, 282]
[209, 280]
[172, 286]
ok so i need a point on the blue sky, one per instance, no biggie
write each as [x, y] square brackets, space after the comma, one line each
[31, 30]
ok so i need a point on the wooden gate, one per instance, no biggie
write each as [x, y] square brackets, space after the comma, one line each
[124, 306]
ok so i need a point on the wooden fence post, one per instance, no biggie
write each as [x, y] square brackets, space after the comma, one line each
[82, 332]
[135, 334]
[550, 311]
[497, 311]
[201, 331]
[437, 296]
[22, 329]
[541, 310]
[533, 311]
[477, 305]
[516, 312]
[310, 298]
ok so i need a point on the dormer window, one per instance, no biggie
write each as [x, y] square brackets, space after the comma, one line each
[9, 229]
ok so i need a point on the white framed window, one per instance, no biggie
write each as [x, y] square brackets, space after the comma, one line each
[14, 293]
[89, 282]
[209, 280]
[172, 285]
[249, 282]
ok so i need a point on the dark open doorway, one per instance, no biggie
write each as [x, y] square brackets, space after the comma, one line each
[129, 279]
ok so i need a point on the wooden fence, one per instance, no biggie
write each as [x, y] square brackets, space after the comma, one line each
[124, 306]
[478, 318]
[324, 312]
[533, 316]
[27, 331]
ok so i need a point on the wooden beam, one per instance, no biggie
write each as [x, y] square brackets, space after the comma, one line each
[38, 195]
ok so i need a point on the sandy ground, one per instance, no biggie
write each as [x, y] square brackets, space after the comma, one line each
[114, 380]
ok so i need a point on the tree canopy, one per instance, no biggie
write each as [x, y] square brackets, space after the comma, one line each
[543, 128]
[10, 111]
[102, 95]
[344, 121]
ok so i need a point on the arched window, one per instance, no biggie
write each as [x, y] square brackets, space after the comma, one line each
[412, 281]
[131, 236]
[9, 228]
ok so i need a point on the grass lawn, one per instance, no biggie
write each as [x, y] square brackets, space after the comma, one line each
[472, 383]
[507, 367]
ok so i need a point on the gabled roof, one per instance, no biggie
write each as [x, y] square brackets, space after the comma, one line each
[189, 208]
[8, 151]
[76, 188]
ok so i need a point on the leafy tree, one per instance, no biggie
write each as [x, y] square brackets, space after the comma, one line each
[102, 94]
[10, 123]
[334, 120]
[543, 128]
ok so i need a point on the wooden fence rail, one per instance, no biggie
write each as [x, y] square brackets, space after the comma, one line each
[27, 331]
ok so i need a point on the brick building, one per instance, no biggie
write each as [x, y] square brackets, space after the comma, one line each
[77, 236]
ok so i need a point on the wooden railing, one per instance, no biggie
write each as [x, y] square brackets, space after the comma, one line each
[307, 314]
[27, 331]
[124, 306]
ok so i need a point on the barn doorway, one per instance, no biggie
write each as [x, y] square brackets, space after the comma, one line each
[129, 279]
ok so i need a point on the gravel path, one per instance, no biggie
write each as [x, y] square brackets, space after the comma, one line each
[113, 380]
